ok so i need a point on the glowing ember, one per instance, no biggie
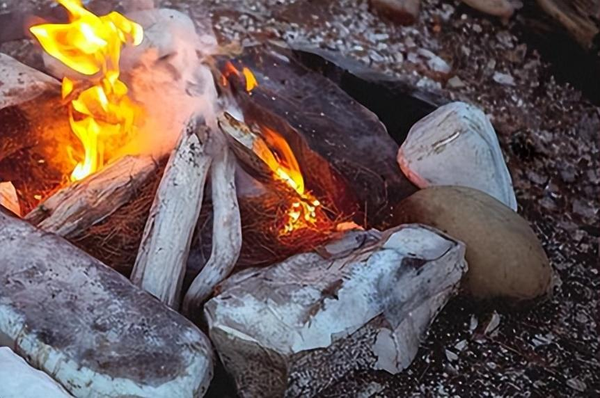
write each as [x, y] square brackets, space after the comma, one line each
[102, 115]
[282, 161]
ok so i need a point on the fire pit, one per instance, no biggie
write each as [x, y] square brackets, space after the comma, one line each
[159, 176]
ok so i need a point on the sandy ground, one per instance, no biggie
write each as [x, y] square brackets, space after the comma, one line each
[549, 133]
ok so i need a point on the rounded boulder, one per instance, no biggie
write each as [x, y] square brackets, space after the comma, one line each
[505, 257]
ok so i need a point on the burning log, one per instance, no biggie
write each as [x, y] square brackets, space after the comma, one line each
[227, 233]
[368, 293]
[74, 318]
[72, 210]
[160, 265]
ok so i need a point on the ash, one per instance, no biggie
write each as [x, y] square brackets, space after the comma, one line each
[549, 132]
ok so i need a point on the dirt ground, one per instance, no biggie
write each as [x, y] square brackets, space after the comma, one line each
[549, 132]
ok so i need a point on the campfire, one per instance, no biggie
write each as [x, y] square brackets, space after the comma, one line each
[248, 193]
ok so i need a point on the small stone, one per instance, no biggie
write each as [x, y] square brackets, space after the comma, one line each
[404, 12]
[492, 324]
[461, 345]
[473, 323]
[451, 356]
[434, 62]
[504, 78]
[506, 259]
[498, 8]
[457, 145]
[541, 340]
[455, 82]
[577, 384]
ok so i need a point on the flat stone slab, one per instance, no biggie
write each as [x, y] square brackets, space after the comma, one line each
[362, 302]
[88, 327]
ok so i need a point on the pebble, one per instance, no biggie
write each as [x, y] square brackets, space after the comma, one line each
[577, 384]
[455, 82]
[504, 78]
[451, 356]
[492, 324]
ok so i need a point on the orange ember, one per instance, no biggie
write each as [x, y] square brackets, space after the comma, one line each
[103, 114]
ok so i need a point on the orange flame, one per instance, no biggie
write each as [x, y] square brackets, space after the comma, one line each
[282, 161]
[91, 45]
[230, 69]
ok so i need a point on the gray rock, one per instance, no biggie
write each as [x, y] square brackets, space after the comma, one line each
[404, 12]
[362, 303]
[506, 259]
[89, 327]
[457, 145]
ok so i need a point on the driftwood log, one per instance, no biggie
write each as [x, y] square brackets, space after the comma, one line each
[88, 327]
[227, 234]
[362, 302]
[72, 210]
[163, 253]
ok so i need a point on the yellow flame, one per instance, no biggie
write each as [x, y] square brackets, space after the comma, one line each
[285, 166]
[251, 82]
[91, 45]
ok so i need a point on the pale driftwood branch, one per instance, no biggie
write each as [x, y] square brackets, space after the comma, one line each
[160, 264]
[88, 327]
[72, 210]
[227, 233]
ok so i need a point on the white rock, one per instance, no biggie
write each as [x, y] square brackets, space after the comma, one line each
[457, 145]
[363, 302]
[19, 380]
[88, 327]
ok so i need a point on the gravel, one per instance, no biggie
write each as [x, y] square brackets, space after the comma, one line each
[549, 134]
